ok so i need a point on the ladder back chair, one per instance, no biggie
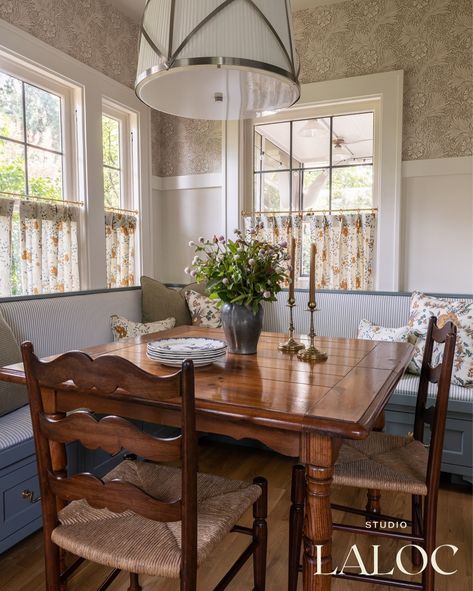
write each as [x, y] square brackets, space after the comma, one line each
[393, 463]
[143, 517]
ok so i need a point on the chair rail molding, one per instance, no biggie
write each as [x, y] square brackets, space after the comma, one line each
[188, 181]
[438, 167]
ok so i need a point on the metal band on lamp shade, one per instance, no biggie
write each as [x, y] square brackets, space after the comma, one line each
[217, 59]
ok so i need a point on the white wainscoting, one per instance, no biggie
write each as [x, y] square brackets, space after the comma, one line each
[185, 208]
[437, 225]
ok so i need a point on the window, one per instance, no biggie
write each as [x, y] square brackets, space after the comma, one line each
[41, 223]
[121, 217]
[52, 114]
[319, 171]
[112, 171]
[322, 164]
[31, 139]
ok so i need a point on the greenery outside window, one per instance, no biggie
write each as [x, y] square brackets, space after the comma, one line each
[121, 216]
[31, 139]
[112, 171]
[36, 149]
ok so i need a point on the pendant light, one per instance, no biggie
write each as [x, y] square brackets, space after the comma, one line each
[217, 59]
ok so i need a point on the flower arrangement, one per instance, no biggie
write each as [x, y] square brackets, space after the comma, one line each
[241, 271]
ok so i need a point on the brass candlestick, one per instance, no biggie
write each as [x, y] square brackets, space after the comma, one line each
[291, 345]
[312, 354]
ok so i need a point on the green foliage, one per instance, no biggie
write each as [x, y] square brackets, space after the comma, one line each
[12, 180]
[111, 161]
[43, 128]
[240, 271]
[352, 187]
[12, 176]
[111, 141]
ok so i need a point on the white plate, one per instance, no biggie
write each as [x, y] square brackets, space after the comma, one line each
[184, 357]
[187, 345]
[179, 360]
[178, 363]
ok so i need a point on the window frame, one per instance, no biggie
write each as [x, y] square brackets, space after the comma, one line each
[42, 79]
[128, 169]
[89, 88]
[330, 167]
[386, 89]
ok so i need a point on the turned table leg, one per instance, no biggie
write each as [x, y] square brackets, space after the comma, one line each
[373, 502]
[319, 453]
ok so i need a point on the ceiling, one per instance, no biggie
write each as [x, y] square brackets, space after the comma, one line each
[134, 8]
[352, 140]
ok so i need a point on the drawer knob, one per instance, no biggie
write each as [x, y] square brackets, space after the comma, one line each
[29, 494]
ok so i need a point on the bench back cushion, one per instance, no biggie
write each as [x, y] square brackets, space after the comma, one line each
[58, 324]
[340, 312]
[12, 396]
[160, 302]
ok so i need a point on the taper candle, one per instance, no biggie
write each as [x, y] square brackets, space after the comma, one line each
[313, 251]
[292, 274]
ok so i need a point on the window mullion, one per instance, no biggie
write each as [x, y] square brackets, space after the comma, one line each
[290, 166]
[330, 170]
[23, 100]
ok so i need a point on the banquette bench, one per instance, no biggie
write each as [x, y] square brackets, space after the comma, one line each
[74, 321]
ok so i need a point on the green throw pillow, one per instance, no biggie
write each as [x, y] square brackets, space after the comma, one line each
[160, 302]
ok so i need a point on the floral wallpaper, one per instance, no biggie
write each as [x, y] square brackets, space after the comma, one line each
[185, 146]
[99, 35]
[92, 31]
[431, 40]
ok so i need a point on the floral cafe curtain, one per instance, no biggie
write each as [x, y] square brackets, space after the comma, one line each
[277, 228]
[120, 230]
[345, 246]
[6, 215]
[49, 253]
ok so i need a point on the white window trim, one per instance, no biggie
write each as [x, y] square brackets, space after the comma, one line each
[129, 163]
[384, 92]
[128, 126]
[95, 87]
[69, 94]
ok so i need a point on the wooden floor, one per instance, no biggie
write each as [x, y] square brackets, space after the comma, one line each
[21, 568]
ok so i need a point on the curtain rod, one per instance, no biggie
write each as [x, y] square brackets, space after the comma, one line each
[309, 212]
[24, 197]
[120, 210]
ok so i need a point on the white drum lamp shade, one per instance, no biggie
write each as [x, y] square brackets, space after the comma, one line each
[217, 59]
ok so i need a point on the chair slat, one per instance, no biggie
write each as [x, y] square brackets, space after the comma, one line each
[434, 373]
[111, 434]
[105, 375]
[116, 495]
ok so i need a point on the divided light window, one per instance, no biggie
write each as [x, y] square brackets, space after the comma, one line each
[31, 140]
[112, 161]
[320, 165]
[120, 183]
[323, 164]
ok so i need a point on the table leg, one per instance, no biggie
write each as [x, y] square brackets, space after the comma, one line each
[319, 453]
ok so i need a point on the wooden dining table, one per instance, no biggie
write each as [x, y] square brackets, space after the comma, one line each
[296, 408]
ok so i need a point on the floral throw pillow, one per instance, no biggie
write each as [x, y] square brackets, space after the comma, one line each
[123, 328]
[204, 311]
[372, 332]
[460, 312]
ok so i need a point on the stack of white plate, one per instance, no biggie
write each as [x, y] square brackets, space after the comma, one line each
[173, 352]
